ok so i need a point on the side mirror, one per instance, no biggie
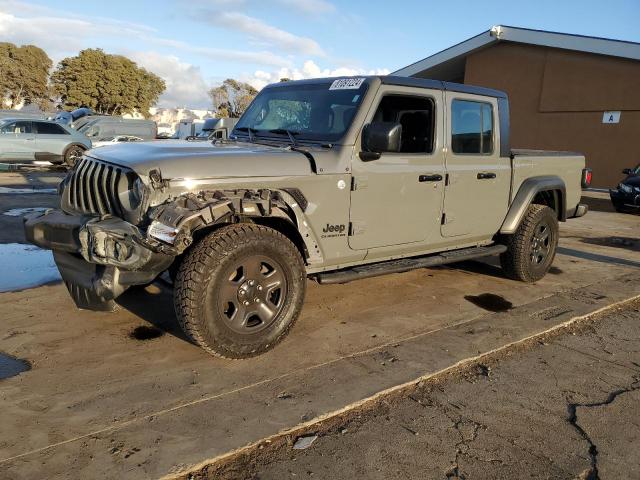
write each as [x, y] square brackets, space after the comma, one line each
[627, 171]
[380, 137]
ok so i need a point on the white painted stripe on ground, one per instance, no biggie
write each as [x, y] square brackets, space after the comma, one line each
[23, 191]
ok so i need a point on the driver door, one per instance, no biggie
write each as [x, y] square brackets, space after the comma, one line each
[17, 141]
[397, 198]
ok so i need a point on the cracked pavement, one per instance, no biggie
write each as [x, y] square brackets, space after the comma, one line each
[565, 407]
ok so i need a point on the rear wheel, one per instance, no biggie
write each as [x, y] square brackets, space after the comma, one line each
[532, 248]
[239, 291]
[73, 154]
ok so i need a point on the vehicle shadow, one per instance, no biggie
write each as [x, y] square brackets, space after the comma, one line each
[481, 268]
[627, 243]
[154, 305]
[596, 257]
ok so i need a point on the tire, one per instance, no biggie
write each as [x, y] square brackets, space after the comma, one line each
[532, 248]
[239, 290]
[72, 154]
[619, 207]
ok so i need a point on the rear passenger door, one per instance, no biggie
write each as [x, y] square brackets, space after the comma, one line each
[478, 179]
[51, 138]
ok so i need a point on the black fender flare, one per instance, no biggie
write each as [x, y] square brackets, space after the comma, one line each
[526, 193]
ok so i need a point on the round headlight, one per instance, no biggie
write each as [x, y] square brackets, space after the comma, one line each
[130, 192]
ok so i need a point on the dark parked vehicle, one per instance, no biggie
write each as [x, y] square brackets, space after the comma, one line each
[626, 197]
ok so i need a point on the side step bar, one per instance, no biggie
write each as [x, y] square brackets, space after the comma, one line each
[406, 264]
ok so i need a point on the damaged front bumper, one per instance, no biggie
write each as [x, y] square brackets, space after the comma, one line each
[98, 258]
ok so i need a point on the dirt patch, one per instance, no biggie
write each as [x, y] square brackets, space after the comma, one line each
[143, 332]
[556, 271]
[490, 302]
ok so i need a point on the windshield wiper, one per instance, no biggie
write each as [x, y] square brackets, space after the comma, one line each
[283, 131]
[251, 131]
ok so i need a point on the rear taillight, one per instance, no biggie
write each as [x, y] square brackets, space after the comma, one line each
[587, 174]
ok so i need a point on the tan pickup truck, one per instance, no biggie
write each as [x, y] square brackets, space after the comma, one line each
[329, 179]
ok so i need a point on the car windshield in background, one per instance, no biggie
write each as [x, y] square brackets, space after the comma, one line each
[315, 111]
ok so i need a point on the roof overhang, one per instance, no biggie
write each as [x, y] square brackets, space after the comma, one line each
[451, 60]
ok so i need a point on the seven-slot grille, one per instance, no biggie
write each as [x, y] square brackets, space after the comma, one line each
[93, 187]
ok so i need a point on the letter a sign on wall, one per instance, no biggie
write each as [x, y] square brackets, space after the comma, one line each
[611, 117]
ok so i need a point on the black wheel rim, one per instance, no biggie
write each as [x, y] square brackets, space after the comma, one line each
[252, 294]
[541, 243]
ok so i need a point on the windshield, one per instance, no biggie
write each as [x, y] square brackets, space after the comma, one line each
[315, 112]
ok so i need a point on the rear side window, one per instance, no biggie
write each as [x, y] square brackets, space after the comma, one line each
[50, 129]
[17, 127]
[471, 127]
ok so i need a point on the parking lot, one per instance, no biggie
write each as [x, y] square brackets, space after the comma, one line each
[127, 393]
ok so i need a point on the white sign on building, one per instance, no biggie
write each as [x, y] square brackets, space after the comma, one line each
[611, 117]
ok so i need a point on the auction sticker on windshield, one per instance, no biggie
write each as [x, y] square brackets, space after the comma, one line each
[346, 84]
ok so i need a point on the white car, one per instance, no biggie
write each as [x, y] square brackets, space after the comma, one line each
[117, 139]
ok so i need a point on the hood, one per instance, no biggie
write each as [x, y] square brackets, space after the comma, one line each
[184, 159]
[633, 180]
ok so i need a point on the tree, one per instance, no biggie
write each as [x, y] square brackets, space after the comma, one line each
[232, 98]
[24, 74]
[109, 84]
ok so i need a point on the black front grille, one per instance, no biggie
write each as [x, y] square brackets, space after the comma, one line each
[92, 188]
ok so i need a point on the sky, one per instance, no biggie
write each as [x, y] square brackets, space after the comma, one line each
[195, 44]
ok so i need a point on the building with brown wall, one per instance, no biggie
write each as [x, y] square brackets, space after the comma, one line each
[559, 87]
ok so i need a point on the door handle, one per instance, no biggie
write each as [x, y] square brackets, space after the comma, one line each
[430, 178]
[486, 175]
[29, 139]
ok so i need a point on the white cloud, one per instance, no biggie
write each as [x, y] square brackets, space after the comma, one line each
[260, 30]
[309, 69]
[185, 83]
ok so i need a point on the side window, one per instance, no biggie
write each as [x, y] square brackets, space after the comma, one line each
[17, 127]
[417, 117]
[50, 129]
[471, 127]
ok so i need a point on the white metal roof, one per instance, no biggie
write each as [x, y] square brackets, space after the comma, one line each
[500, 33]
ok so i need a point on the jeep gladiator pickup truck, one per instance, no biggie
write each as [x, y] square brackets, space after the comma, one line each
[331, 179]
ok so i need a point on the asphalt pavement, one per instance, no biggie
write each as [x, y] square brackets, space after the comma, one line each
[561, 406]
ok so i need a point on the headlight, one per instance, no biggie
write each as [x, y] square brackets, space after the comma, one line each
[131, 192]
[625, 188]
[162, 232]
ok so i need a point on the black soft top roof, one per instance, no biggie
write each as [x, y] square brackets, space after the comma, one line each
[405, 82]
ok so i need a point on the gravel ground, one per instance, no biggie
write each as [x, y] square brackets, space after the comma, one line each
[562, 407]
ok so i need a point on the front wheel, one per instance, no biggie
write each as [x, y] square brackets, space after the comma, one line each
[73, 155]
[239, 290]
[532, 248]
